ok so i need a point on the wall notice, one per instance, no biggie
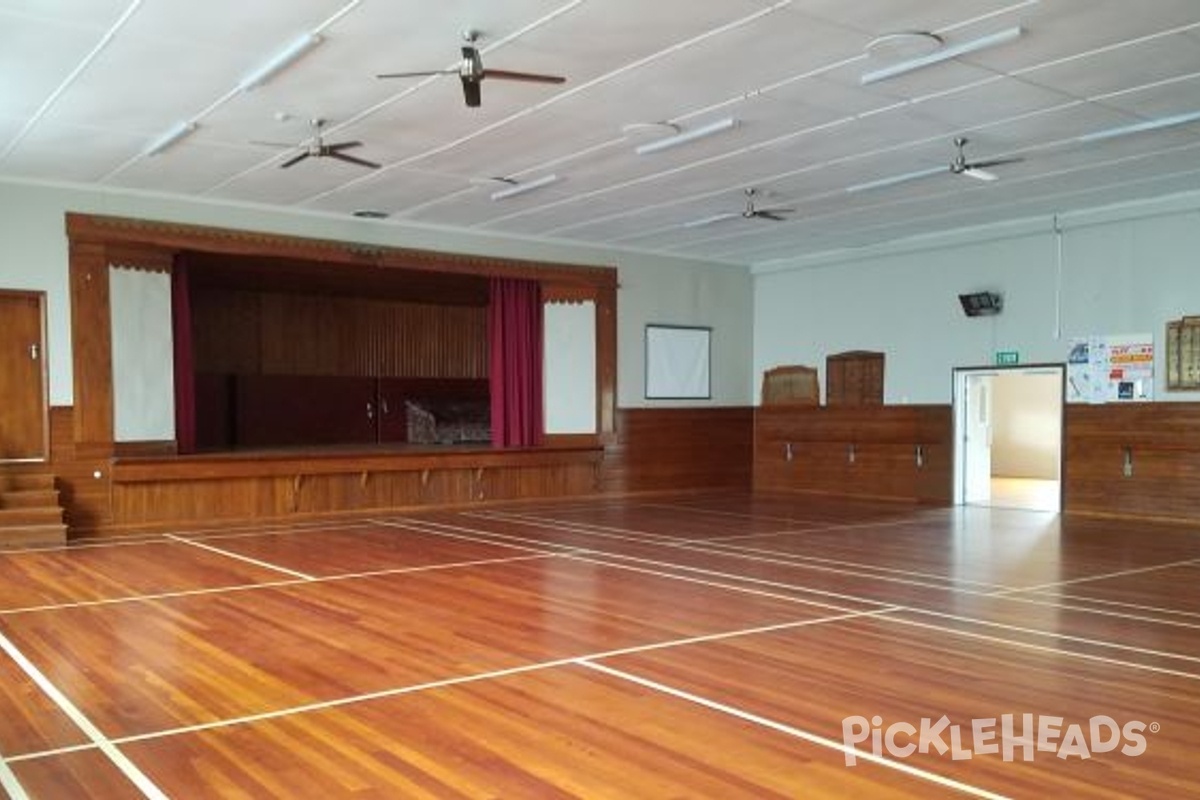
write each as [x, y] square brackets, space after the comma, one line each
[1111, 369]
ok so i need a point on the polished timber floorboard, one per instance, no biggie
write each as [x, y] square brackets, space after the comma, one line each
[700, 646]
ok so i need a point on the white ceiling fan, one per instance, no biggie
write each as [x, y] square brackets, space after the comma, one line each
[980, 170]
[751, 211]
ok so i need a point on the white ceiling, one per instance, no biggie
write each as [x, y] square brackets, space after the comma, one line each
[86, 86]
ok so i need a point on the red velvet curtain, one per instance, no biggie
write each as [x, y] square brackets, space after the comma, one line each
[515, 368]
[185, 368]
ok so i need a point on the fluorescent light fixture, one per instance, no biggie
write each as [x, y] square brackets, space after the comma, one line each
[522, 188]
[687, 136]
[945, 54]
[895, 179]
[700, 223]
[1142, 127]
[170, 138]
[282, 60]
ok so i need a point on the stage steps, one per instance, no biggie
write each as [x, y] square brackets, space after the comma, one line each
[30, 512]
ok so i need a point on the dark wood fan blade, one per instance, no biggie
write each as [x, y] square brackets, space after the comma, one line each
[339, 146]
[995, 162]
[775, 214]
[362, 162]
[471, 91]
[296, 159]
[422, 74]
[527, 77]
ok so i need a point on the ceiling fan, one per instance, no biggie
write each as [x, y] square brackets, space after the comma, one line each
[980, 170]
[472, 72]
[317, 148]
[976, 169]
[751, 211]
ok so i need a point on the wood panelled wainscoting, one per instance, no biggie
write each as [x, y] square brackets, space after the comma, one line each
[680, 449]
[1135, 460]
[151, 493]
[656, 450]
[893, 452]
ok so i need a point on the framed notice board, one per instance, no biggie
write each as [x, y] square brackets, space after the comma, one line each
[1183, 354]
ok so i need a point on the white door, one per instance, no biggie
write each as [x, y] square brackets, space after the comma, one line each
[977, 440]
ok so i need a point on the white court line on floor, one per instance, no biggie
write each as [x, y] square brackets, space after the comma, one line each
[250, 534]
[1089, 578]
[1083, 598]
[771, 517]
[790, 730]
[791, 598]
[8, 781]
[727, 542]
[142, 539]
[239, 557]
[111, 751]
[738, 551]
[1043, 648]
[384, 694]
[98, 544]
[784, 559]
[834, 528]
[927, 612]
[249, 587]
[575, 551]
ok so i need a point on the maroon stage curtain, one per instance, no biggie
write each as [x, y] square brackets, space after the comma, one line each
[515, 367]
[185, 368]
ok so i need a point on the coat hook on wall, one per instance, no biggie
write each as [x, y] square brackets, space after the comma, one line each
[920, 456]
[1127, 462]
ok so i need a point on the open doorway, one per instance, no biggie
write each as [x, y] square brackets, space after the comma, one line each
[1008, 437]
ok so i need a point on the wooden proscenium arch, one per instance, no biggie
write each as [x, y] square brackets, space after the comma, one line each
[98, 241]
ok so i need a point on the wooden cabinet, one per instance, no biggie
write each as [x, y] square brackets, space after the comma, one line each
[854, 378]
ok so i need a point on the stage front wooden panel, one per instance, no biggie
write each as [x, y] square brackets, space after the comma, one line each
[661, 449]
[151, 493]
[895, 452]
[1136, 460]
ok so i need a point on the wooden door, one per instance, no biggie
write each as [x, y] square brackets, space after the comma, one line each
[23, 409]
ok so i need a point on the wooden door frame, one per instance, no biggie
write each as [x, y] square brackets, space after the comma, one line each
[43, 372]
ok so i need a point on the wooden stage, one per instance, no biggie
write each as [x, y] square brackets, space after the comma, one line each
[687, 646]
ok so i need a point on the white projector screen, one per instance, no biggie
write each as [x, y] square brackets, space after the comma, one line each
[677, 363]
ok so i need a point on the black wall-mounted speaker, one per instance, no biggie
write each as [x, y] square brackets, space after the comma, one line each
[981, 304]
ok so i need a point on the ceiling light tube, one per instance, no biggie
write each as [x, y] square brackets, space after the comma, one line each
[522, 188]
[687, 136]
[282, 60]
[895, 179]
[1141, 127]
[170, 138]
[945, 54]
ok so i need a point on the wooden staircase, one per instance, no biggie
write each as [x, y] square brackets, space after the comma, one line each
[30, 513]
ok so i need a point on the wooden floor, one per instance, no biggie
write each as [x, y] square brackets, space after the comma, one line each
[701, 647]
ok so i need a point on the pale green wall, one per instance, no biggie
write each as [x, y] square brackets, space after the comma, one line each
[1124, 271]
[654, 289]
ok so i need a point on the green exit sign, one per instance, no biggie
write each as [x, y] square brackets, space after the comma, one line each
[1006, 358]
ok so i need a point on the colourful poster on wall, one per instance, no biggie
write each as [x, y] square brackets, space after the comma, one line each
[1111, 369]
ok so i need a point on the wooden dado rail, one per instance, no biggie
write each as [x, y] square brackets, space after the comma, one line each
[155, 492]
[893, 452]
[1135, 460]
